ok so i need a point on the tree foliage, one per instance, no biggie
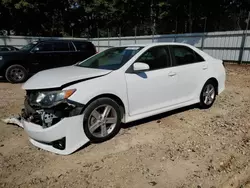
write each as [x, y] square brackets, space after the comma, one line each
[92, 18]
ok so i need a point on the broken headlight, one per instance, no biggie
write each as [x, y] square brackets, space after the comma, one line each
[52, 98]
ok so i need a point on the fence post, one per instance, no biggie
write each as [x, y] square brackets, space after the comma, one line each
[153, 35]
[120, 33]
[108, 38]
[135, 34]
[98, 36]
[242, 48]
[243, 42]
[175, 37]
[202, 41]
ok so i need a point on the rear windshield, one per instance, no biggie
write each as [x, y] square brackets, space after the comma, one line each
[111, 59]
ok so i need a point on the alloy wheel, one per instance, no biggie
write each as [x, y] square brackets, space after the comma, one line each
[208, 94]
[102, 121]
[16, 74]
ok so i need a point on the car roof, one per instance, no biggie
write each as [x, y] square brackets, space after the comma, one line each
[204, 55]
[156, 44]
[60, 40]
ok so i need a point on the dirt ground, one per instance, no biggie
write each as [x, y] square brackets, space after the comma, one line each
[185, 148]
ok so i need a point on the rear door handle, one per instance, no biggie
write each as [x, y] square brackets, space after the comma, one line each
[172, 74]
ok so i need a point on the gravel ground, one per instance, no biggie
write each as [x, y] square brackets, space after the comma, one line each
[185, 148]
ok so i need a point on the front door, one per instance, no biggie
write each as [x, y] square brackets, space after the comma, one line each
[42, 57]
[151, 90]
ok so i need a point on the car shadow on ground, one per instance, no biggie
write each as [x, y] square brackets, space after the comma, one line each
[159, 116]
[147, 120]
[2, 80]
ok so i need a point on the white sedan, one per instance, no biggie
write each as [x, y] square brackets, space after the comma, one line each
[68, 107]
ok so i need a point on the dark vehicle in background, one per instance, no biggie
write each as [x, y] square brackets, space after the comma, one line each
[16, 66]
[4, 48]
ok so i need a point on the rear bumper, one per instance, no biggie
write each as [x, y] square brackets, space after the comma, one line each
[221, 89]
[222, 81]
[68, 130]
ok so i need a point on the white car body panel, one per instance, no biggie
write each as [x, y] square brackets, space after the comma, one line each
[143, 94]
[149, 91]
[54, 78]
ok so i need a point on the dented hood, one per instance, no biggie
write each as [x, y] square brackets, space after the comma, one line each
[58, 77]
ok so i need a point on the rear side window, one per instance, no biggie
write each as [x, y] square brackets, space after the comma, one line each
[61, 46]
[183, 55]
[83, 46]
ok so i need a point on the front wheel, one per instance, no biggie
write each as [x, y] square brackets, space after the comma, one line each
[102, 120]
[208, 95]
[16, 74]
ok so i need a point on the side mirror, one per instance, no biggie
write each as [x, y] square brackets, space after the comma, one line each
[36, 49]
[140, 67]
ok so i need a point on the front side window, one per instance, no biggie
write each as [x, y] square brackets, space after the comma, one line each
[156, 58]
[28, 46]
[61, 46]
[184, 55]
[45, 47]
[4, 49]
[12, 48]
[111, 59]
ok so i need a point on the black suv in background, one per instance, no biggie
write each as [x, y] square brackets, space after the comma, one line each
[15, 66]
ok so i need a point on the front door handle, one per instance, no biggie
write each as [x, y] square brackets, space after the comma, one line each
[204, 67]
[172, 74]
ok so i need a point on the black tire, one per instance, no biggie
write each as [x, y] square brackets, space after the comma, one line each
[21, 75]
[203, 104]
[87, 113]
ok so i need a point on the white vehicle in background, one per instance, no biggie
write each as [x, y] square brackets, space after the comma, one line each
[67, 107]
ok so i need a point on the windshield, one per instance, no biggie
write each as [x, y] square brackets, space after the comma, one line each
[111, 59]
[28, 46]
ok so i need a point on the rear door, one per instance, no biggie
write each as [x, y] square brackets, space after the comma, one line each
[191, 71]
[83, 50]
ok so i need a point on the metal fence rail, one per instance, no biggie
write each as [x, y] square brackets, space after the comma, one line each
[228, 46]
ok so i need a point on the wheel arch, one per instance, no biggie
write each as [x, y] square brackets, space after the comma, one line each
[215, 81]
[113, 97]
[13, 62]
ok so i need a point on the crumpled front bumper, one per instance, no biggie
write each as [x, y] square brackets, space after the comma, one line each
[63, 136]
[69, 130]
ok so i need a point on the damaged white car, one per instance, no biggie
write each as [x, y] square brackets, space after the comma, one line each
[67, 107]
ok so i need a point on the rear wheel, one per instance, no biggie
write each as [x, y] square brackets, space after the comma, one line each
[102, 119]
[208, 95]
[16, 74]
